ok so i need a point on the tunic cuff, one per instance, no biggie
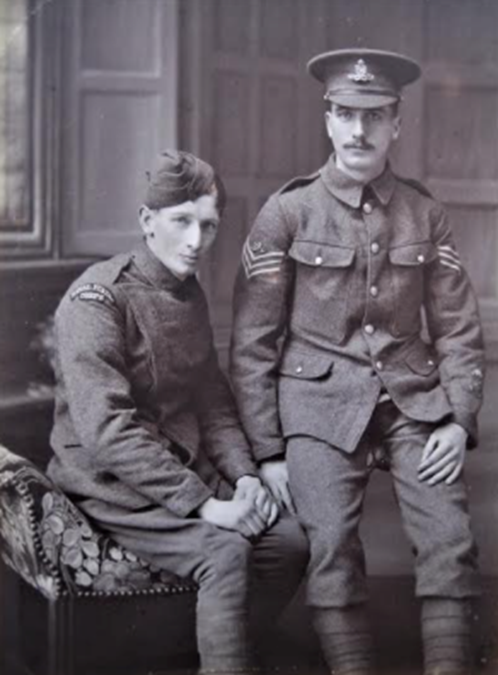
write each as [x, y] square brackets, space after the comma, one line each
[468, 421]
[274, 451]
[241, 468]
[188, 499]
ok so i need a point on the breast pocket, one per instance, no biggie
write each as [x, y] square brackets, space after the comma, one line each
[408, 265]
[323, 282]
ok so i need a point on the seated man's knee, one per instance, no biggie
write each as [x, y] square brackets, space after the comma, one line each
[227, 556]
[292, 541]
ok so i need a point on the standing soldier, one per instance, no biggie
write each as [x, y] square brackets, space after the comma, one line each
[340, 265]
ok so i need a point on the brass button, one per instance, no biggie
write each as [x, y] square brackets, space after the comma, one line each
[421, 258]
[375, 248]
[379, 365]
[430, 362]
[374, 291]
[369, 329]
[299, 369]
[367, 208]
[318, 260]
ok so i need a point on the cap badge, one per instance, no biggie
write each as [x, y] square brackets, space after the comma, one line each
[361, 73]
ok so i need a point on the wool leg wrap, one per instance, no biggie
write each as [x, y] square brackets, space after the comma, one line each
[346, 640]
[446, 634]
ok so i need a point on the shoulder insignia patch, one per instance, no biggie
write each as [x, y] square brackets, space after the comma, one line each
[94, 293]
[299, 181]
[420, 187]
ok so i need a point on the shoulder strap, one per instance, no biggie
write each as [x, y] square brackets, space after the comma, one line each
[298, 181]
[420, 187]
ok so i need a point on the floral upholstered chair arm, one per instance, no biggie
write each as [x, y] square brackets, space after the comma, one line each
[52, 545]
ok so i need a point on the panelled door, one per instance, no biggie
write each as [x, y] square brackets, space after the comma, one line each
[120, 71]
[249, 107]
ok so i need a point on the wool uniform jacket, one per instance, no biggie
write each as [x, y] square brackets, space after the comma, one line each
[143, 414]
[328, 313]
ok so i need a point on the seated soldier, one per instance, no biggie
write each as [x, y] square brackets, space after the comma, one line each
[146, 436]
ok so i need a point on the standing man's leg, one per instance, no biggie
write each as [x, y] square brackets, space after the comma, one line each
[437, 522]
[328, 487]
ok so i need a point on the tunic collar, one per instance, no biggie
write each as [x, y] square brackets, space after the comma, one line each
[157, 273]
[350, 191]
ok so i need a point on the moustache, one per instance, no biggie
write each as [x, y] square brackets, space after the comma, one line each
[359, 146]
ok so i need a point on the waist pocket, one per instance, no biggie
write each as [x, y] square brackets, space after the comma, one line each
[302, 366]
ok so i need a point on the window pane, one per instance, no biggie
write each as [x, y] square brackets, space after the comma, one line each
[14, 123]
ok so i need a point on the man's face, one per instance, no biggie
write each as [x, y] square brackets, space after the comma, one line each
[180, 236]
[362, 138]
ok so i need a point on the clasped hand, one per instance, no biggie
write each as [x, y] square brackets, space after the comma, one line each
[443, 455]
[250, 512]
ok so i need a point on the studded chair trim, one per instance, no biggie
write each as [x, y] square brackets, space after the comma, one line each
[52, 545]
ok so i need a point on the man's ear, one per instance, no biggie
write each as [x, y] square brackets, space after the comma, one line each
[145, 217]
[397, 127]
[328, 116]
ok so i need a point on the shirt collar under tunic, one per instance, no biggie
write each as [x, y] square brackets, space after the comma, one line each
[350, 191]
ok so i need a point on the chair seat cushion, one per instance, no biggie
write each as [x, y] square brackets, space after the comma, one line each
[53, 546]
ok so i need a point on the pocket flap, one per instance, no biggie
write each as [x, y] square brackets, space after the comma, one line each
[413, 254]
[305, 366]
[420, 360]
[321, 255]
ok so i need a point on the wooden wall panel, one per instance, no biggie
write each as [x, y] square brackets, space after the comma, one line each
[223, 264]
[231, 21]
[116, 149]
[460, 128]
[251, 109]
[383, 24]
[231, 129]
[120, 110]
[462, 31]
[476, 236]
[460, 59]
[280, 29]
[120, 35]
[277, 126]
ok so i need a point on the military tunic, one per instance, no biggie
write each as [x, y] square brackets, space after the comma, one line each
[338, 285]
[346, 277]
[138, 388]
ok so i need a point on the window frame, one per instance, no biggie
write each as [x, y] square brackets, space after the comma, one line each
[37, 238]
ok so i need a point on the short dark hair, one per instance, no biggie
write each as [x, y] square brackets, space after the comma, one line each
[181, 177]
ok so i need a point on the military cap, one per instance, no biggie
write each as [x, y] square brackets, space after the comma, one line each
[363, 78]
[180, 176]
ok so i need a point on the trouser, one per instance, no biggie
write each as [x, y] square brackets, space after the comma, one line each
[328, 487]
[230, 571]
